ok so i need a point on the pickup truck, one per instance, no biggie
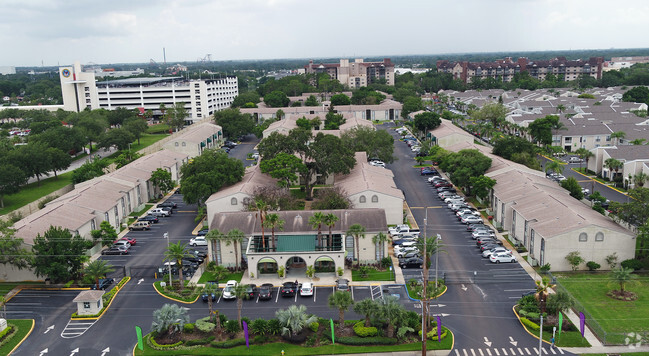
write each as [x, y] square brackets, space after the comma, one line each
[403, 230]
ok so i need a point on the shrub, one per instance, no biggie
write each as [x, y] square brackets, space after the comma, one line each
[355, 340]
[274, 327]
[386, 262]
[260, 339]
[228, 343]
[545, 268]
[314, 326]
[188, 328]
[157, 346]
[6, 332]
[432, 335]
[223, 319]
[412, 319]
[69, 284]
[529, 304]
[530, 324]
[310, 341]
[632, 263]
[592, 265]
[203, 325]
[259, 326]
[232, 326]
[362, 331]
[203, 341]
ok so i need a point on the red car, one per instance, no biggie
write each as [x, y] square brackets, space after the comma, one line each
[129, 240]
[443, 184]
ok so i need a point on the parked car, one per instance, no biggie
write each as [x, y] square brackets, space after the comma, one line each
[472, 220]
[202, 232]
[436, 179]
[124, 243]
[427, 171]
[482, 233]
[251, 289]
[205, 296]
[413, 262]
[167, 209]
[307, 289]
[198, 253]
[401, 252]
[198, 241]
[140, 225]
[472, 227]
[467, 211]
[288, 289]
[115, 250]
[168, 204]
[130, 240]
[399, 242]
[394, 230]
[228, 291]
[489, 246]
[342, 284]
[502, 257]
[266, 291]
[487, 253]
[486, 240]
[159, 212]
[377, 164]
[458, 206]
[103, 283]
[150, 218]
[443, 184]
[446, 189]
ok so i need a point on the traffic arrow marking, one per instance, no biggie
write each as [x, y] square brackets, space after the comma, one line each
[44, 352]
[511, 341]
[105, 351]
[74, 351]
[50, 328]
[487, 342]
[140, 281]
[441, 305]
[464, 288]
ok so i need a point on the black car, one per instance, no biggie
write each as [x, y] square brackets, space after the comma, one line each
[168, 204]
[114, 251]
[198, 253]
[194, 259]
[251, 289]
[202, 232]
[103, 283]
[205, 296]
[289, 289]
[413, 262]
[189, 264]
[266, 291]
[149, 218]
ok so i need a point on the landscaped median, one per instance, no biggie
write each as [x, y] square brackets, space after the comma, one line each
[187, 295]
[414, 288]
[569, 337]
[107, 300]
[16, 332]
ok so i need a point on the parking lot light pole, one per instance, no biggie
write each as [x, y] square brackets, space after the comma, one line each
[424, 302]
[166, 236]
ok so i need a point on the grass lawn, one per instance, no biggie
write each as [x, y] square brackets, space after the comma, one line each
[292, 349]
[158, 128]
[147, 140]
[23, 326]
[207, 276]
[373, 275]
[139, 213]
[422, 165]
[614, 316]
[32, 192]
[6, 287]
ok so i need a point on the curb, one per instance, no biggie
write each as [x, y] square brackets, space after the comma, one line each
[174, 299]
[109, 304]
[25, 338]
[419, 300]
[524, 328]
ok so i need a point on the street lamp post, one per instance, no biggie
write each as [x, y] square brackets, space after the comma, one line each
[424, 302]
[166, 236]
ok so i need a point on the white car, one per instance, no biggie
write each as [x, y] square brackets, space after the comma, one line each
[377, 164]
[198, 241]
[228, 291]
[159, 212]
[122, 243]
[307, 289]
[400, 252]
[487, 253]
[395, 230]
[454, 199]
[482, 233]
[467, 211]
[407, 244]
[472, 220]
[502, 257]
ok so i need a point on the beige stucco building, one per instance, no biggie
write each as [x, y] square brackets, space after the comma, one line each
[196, 138]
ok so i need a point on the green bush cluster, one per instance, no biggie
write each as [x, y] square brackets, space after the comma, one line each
[203, 325]
[530, 324]
[260, 339]
[188, 328]
[362, 331]
[592, 265]
[6, 331]
[432, 335]
[202, 341]
[314, 326]
[157, 346]
[632, 263]
[259, 326]
[232, 326]
[355, 340]
[228, 343]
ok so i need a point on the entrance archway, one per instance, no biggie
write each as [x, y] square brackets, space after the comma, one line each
[295, 266]
[266, 265]
[324, 264]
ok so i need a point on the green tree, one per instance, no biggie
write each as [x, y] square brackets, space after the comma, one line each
[481, 185]
[273, 221]
[59, 160]
[636, 210]
[97, 269]
[240, 292]
[583, 154]
[494, 113]
[340, 99]
[329, 156]
[542, 287]
[559, 302]
[541, 129]
[119, 115]
[311, 101]
[11, 179]
[340, 300]
[175, 253]
[244, 98]
[176, 116]
[433, 246]
[574, 259]
[640, 178]
[367, 308]
[573, 187]
[58, 255]
[617, 136]
[391, 312]
[92, 126]
[161, 179]
[212, 289]
[119, 138]
[207, 174]
[283, 167]
[639, 94]
[276, 99]
[554, 167]
[427, 121]
[236, 236]
[136, 126]
[411, 104]
[316, 220]
[463, 165]
[106, 234]
[330, 220]
[358, 232]
[623, 276]
[12, 251]
[294, 319]
[92, 168]
[375, 143]
[262, 209]
[333, 121]
[32, 160]
[613, 165]
[379, 241]
[169, 319]
[234, 123]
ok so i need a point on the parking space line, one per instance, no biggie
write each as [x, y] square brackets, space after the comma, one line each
[352, 289]
[314, 292]
[277, 296]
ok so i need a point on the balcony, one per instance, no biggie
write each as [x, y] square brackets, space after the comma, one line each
[295, 243]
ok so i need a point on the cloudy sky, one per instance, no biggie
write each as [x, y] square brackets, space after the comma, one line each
[119, 31]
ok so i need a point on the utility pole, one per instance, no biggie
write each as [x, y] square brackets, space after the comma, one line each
[424, 301]
[166, 236]
[541, 337]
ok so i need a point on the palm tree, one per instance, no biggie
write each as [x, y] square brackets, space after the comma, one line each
[584, 154]
[169, 319]
[213, 236]
[175, 253]
[557, 126]
[330, 220]
[542, 287]
[340, 300]
[391, 311]
[366, 307]
[622, 276]
[294, 319]
[561, 108]
[358, 231]
[638, 141]
[97, 269]
[379, 241]
[433, 246]
[262, 209]
[640, 178]
[617, 136]
[316, 221]
[273, 221]
[236, 236]
[212, 289]
[613, 165]
[240, 292]
[554, 166]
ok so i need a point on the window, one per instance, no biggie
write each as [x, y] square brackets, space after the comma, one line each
[87, 101]
[532, 243]
[362, 199]
[86, 305]
[116, 213]
[514, 224]
[184, 144]
[542, 253]
[599, 236]
[139, 197]
[106, 217]
[375, 199]
[87, 95]
[86, 88]
[93, 225]
[598, 139]
[233, 201]
[583, 237]
[608, 138]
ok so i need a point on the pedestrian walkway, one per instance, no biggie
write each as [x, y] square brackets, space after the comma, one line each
[507, 351]
[76, 328]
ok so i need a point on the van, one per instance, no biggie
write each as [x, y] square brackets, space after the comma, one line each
[159, 212]
[140, 225]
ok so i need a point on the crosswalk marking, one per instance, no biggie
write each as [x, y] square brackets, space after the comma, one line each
[465, 353]
[544, 351]
[481, 354]
[497, 353]
[528, 351]
[489, 352]
[472, 352]
[511, 349]
[503, 351]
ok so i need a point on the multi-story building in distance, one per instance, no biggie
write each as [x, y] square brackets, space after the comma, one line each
[505, 69]
[202, 97]
[357, 73]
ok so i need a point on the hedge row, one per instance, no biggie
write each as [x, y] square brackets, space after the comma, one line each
[228, 343]
[362, 331]
[202, 341]
[530, 324]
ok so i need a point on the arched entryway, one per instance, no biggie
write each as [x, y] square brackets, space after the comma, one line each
[266, 265]
[324, 264]
[295, 266]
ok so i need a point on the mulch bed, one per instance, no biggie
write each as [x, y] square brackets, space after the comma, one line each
[623, 296]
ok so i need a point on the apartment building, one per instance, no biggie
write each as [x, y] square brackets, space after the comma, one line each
[357, 73]
[505, 69]
[202, 97]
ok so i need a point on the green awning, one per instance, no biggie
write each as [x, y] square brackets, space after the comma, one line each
[209, 140]
[267, 260]
[202, 144]
[324, 258]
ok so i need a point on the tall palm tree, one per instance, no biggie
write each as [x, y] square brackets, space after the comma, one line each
[340, 300]
[262, 209]
[617, 136]
[175, 253]
[391, 312]
[542, 288]
[241, 293]
[561, 108]
[623, 276]
[236, 236]
[213, 236]
[366, 307]
[379, 241]
[273, 221]
[613, 165]
[358, 231]
[212, 289]
[97, 269]
[554, 166]
[638, 141]
[169, 319]
[581, 153]
[316, 220]
[294, 319]
[330, 220]
[640, 178]
[433, 246]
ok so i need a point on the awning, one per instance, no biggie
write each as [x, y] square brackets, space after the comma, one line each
[267, 260]
[209, 139]
[324, 258]
[202, 144]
